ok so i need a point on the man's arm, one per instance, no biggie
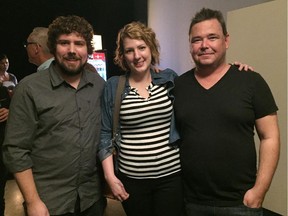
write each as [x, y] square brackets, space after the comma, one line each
[268, 132]
[35, 206]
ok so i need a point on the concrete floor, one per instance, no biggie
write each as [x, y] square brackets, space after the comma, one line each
[14, 200]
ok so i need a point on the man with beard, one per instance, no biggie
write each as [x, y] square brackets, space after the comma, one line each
[53, 128]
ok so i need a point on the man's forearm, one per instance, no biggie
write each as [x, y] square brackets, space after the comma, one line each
[268, 160]
[269, 151]
[27, 185]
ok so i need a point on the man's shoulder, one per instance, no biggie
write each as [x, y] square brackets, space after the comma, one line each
[34, 77]
[251, 75]
[94, 77]
[185, 75]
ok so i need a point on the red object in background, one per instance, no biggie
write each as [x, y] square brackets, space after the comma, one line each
[98, 60]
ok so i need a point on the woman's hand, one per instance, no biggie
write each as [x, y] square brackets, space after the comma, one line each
[3, 114]
[117, 189]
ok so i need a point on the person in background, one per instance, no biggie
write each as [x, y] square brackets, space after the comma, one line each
[148, 181]
[7, 83]
[53, 128]
[7, 79]
[37, 49]
[217, 108]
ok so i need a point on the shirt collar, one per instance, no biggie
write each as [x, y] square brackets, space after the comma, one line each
[57, 80]
[45, 64]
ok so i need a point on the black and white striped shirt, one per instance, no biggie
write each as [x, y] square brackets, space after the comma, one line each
[145, 126]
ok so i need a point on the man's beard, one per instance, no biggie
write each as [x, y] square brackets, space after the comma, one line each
[68, 71]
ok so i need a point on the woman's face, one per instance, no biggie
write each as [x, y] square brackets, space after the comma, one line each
[137, 55]
[4, 65]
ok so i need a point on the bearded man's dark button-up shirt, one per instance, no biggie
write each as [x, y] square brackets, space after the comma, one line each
[54, 129]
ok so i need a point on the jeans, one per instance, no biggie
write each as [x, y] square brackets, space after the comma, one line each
[153, 197]
[203, 210]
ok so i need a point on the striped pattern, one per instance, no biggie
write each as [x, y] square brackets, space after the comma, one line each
[145, 126]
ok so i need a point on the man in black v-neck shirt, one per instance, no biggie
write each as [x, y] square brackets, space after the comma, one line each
[216, 108]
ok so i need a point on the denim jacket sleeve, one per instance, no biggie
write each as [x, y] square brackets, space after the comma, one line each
[106, 147]
[167, 77]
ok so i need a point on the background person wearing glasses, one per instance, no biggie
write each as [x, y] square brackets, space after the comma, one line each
[7, 84]
[37, 50]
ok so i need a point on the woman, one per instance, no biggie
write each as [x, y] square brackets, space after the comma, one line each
[7, 83]
[148, 181]
[7, 79]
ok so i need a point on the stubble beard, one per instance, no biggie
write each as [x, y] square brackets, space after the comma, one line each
[70, 71]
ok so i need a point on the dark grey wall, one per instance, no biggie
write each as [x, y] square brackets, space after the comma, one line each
[18, 18]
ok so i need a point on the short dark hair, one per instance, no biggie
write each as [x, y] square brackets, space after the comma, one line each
[67, 25]
[3, 56]
[208, 14]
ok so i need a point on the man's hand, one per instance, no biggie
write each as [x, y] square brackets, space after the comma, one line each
[156, 69]
[253, 198]
[37, 208]
[242, 66]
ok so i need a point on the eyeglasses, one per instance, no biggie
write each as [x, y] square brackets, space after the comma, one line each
[25, 44]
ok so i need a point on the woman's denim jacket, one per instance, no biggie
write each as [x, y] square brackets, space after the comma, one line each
[105, 148]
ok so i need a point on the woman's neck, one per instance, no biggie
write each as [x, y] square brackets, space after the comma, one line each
[140, 78]
[141, 82]
[4, 76]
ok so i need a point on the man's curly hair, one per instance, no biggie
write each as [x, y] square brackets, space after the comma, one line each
[67, 25]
